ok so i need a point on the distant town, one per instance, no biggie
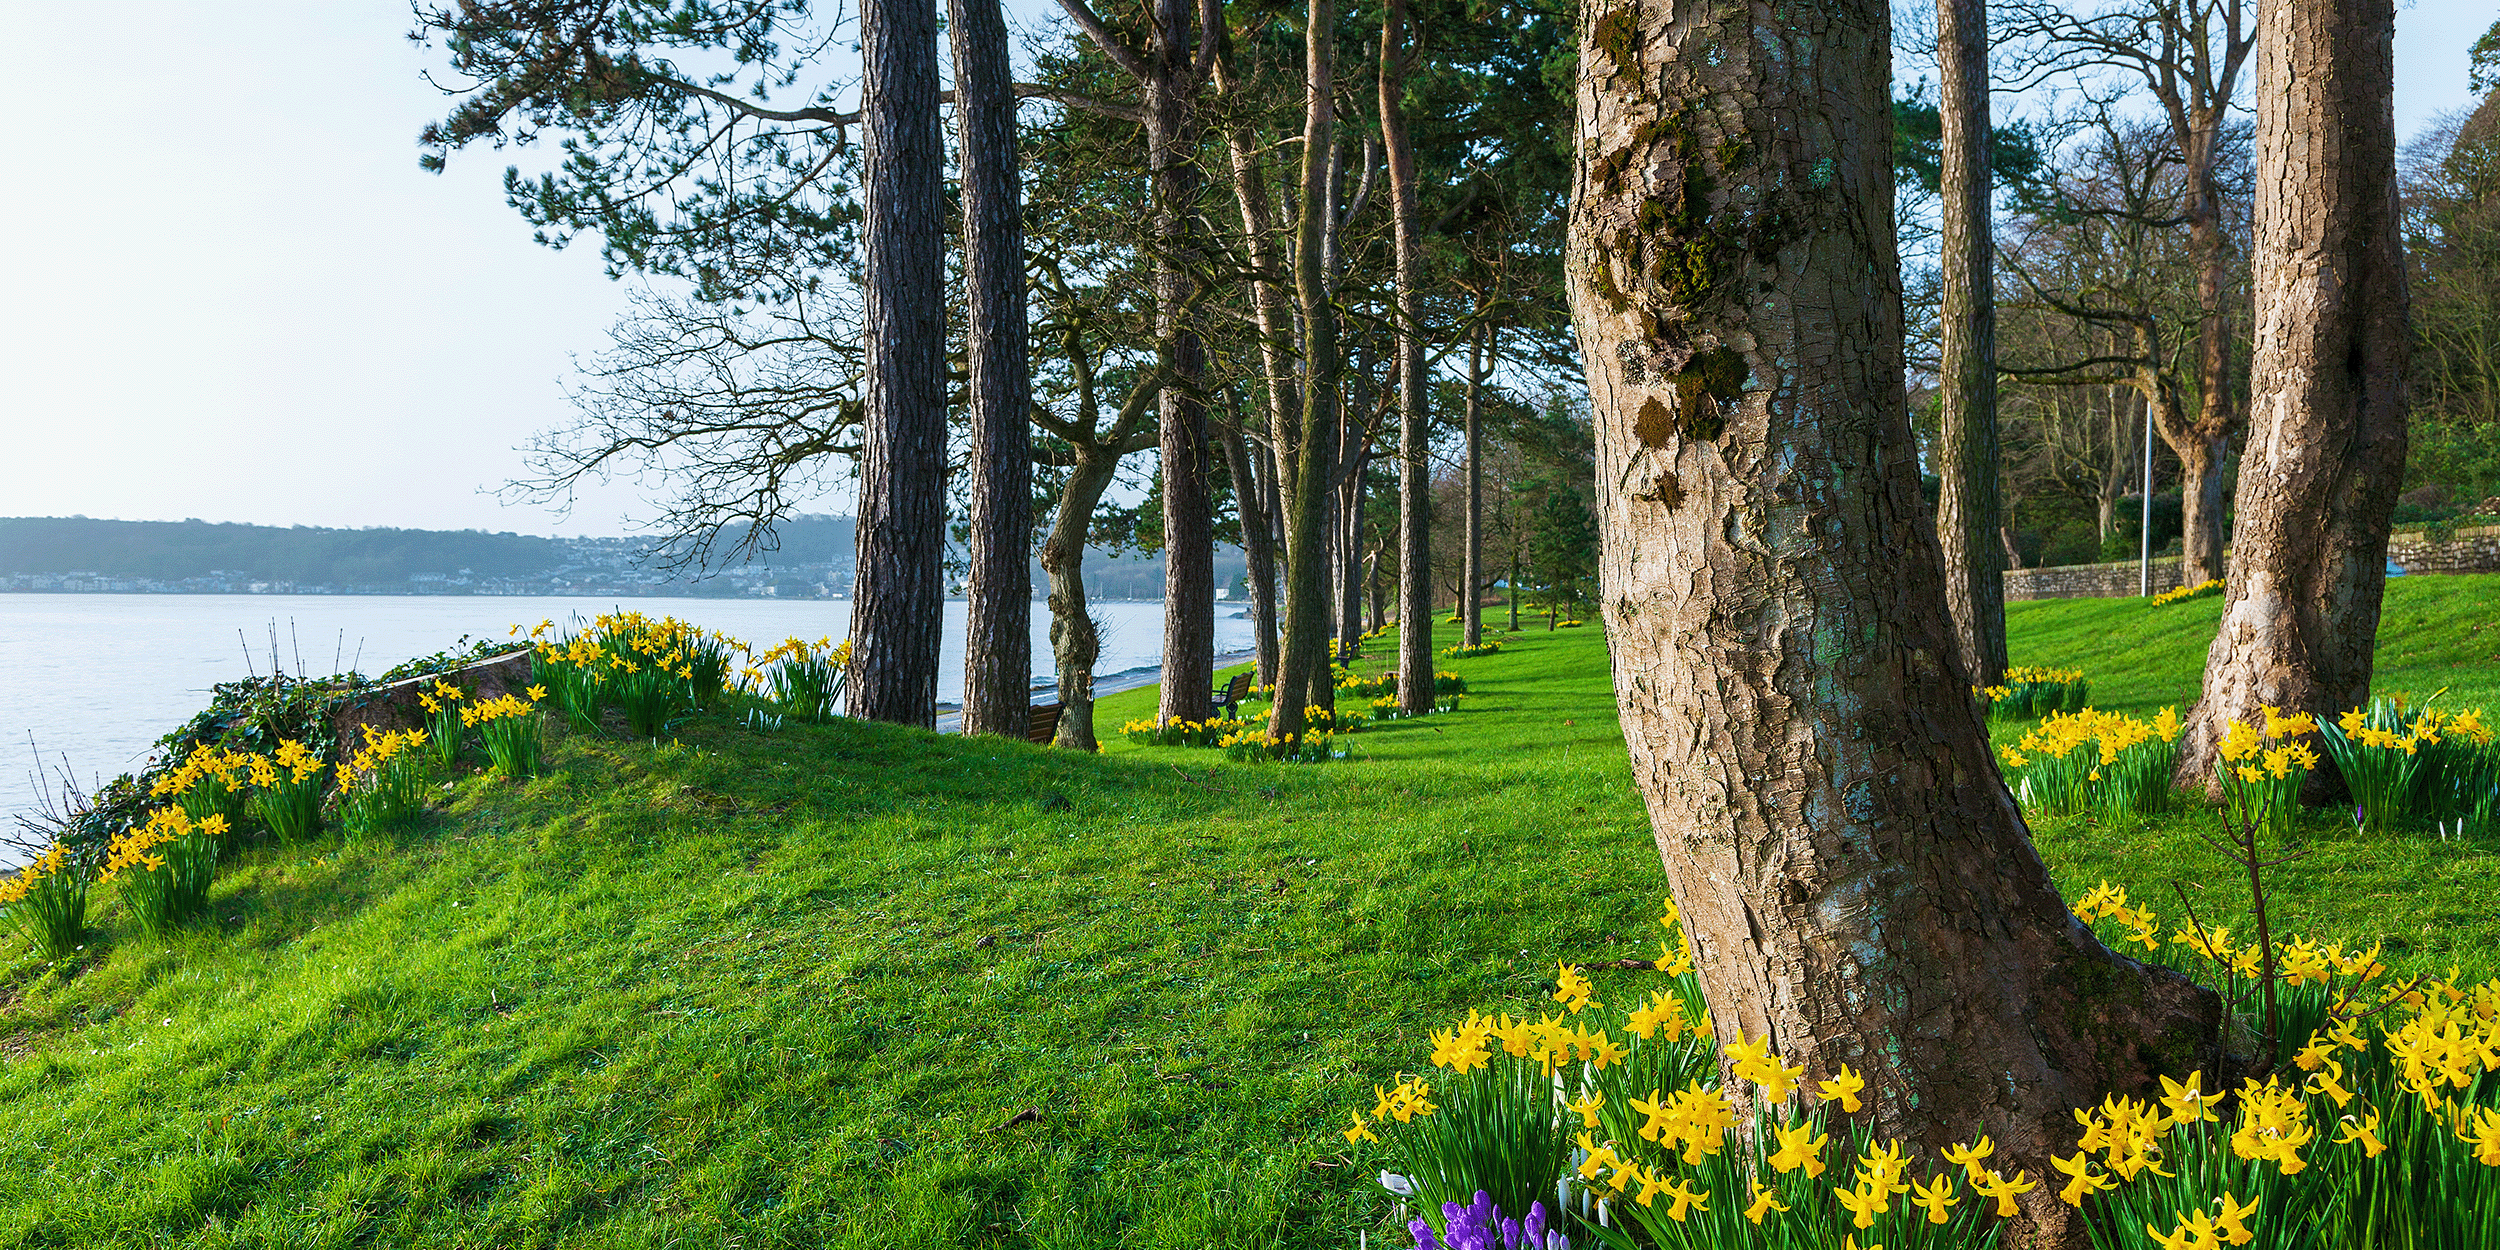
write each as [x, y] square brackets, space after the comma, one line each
[597, 566]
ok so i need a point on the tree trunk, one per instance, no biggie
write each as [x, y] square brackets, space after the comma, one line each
[1414, 416]
[2326, 445]
[1350, 547]
[1074, 642]
[1471, 594]
[1354, 454]
[902, 462]
[1188, 507]
[998, 643]
[1967, 505]
[1305, 657]
[1858, 885]
[1258, 547]
[2200, 504]
[1270, 296]
[1511, 588]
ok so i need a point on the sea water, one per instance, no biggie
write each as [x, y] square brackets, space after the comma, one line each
[90, 681]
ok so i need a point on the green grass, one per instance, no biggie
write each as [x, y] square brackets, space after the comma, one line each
[2430, 902]
[790, 989]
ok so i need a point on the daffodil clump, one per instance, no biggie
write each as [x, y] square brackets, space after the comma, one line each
[509, 726]
[2416, 766]
[286, 790]
[652, 669]
[1177, 732]
[208, 782]
[574, 670]
[47, 901]
[383, 783]
[1462, 651]
[1572, 624]
[162, 869]
[2027, 692]
[1254, 743]
[1352, 686]
[804, 679]
[2197, 591]
[2380, 1102]
[2262, 769]
[2094, 761]
[2381, 1130]
[442, 706]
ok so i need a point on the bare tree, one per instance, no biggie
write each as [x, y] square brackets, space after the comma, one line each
[1090, 453]
[741, 411]
[1858, 884]
[2327, 436]
[2188, 55]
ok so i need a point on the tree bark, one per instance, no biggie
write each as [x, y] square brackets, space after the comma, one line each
[1414, 414]
[2200, 504]
[902, 463]
[1967, 511]
[1169, 72]
[1188, 506]
[1258, 547]
[1471, 596]
[998, 642]
[2327, 435]
[1305, 655]
[1858, 884]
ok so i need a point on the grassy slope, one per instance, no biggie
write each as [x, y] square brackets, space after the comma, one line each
[784, 989]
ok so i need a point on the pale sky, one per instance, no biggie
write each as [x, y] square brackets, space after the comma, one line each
[232, 295]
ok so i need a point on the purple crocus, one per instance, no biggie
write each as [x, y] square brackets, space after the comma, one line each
[1480, 1225]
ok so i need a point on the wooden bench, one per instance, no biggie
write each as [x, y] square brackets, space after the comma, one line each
[1041, 724]
[1228, 699]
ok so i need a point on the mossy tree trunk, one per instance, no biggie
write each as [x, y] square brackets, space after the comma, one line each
[2326, 438]
[1398, 50]
[1858, 885]
[1303, 660]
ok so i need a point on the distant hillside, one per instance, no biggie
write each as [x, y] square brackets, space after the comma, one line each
[815, 557]
[170, 550]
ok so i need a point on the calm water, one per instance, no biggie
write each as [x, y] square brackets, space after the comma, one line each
[99, 678]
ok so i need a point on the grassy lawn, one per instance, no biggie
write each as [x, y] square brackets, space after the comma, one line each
[2432, 903]
[802, 988]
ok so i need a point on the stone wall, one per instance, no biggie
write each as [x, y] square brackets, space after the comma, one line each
[395, 706]
[2475, 550]
[2090, 581]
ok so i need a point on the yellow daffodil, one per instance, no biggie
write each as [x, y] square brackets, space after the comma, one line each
[2003, 1191]
[1845, 1085]
[1765, 1201]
